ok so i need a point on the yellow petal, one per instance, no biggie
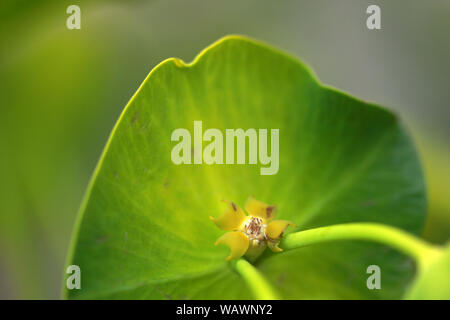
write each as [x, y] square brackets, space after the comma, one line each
[237, 241]
[276, 228]
[274, 246]
[260, 209]
[231, 219]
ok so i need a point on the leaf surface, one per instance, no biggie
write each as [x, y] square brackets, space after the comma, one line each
[143, 230]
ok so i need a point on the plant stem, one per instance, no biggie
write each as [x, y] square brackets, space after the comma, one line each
[422, 252]
[260, 287]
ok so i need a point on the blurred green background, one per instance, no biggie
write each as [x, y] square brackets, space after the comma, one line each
[62, 90]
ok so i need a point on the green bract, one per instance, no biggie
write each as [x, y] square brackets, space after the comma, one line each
[144, 232]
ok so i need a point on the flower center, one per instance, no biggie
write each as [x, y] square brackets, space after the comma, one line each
[254, 228]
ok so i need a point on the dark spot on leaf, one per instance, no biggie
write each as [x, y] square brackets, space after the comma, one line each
[135, 117]
[234, 206]
[281, 279]
[368, 203]
[166, 295]
[350, 279]
[166, 184]
[101, 240]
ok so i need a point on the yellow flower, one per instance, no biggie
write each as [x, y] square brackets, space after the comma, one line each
[250, 235]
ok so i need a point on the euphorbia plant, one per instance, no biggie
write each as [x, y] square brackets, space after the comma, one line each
[345, 168]
[249, 234]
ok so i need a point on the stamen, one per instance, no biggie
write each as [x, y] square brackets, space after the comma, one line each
[254, 228]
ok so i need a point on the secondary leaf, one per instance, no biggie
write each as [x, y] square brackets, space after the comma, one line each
[144, 230]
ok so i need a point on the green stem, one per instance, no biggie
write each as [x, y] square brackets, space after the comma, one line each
[260, 287]
[422, 252]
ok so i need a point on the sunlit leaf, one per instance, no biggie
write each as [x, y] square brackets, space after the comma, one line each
[144, 230]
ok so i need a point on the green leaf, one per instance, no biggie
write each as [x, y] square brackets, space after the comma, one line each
[143, 230]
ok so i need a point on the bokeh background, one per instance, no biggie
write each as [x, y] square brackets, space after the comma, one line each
[62, 90]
